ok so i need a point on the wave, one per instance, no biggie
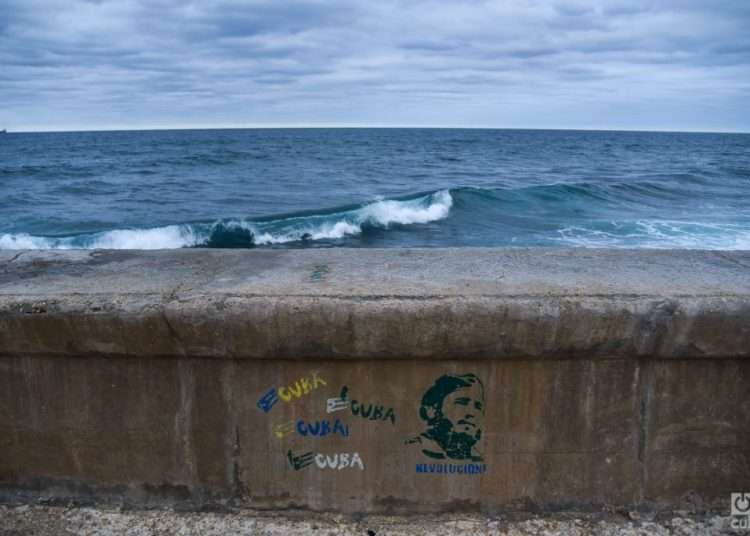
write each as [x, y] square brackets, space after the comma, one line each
[337, 224]
[654, 212]
[169, 237]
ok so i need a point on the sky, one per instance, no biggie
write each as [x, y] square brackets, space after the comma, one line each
[583, 64]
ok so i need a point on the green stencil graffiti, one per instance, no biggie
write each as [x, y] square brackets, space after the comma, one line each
[453, 410]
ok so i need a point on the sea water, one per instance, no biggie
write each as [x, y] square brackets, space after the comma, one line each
[301, 188]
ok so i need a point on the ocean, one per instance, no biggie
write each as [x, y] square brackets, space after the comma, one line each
[299, 188]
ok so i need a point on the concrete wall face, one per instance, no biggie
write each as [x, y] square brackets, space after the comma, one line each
[698, 428]
[399, 436]
[380, 381]
[80, 426]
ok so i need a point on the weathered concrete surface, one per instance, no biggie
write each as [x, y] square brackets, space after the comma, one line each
[559, 433]
[607, 378]
[436, 304]
[59, 521]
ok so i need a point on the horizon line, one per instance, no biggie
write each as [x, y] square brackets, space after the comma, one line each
[365, 127]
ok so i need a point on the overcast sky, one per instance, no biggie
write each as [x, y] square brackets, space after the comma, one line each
[98, 64]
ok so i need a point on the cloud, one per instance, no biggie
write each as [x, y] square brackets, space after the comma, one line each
[561, 64]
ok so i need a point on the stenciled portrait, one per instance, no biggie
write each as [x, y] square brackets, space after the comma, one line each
[452, 410]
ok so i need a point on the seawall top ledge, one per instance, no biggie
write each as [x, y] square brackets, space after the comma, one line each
[377, 272]
[370, 303]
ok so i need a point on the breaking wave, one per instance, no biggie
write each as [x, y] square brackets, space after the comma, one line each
[330, 225]
[583, 214]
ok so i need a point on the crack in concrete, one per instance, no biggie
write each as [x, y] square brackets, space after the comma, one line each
[7, 263]
[183, 422]
[172, 331]
[15, 257]
[645, 388]
[239, 490]
[730, 258]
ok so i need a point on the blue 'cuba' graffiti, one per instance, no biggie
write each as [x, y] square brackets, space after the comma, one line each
[322, 428]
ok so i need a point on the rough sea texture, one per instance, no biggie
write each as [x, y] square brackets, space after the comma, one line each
[374, 188]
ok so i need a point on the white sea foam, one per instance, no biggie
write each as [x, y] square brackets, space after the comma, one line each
[381, 213]
[334, 230]
[660, 234]
[407, 212]
[169, 237]
[24, 241]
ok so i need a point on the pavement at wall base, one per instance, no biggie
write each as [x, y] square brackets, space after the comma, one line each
[29, 520]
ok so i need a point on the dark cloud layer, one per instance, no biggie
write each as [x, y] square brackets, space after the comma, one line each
[560, 64]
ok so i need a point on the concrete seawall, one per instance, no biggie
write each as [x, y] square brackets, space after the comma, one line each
[375, 380]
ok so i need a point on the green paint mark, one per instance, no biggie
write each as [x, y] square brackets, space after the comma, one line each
[319, 273]
[300, 462]
[372, 412]
[453, 410]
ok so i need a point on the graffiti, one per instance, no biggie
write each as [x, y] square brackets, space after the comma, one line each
[336, 404]
[284, 429]
[453, 410]
[267, 401]
[372, 412]
[301, 461]
[322, 428]
[339, 461]
[298, 389]
[452, 468]
[314, 428]
[301, 387]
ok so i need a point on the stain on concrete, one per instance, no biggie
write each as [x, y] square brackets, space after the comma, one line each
[319, 273]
